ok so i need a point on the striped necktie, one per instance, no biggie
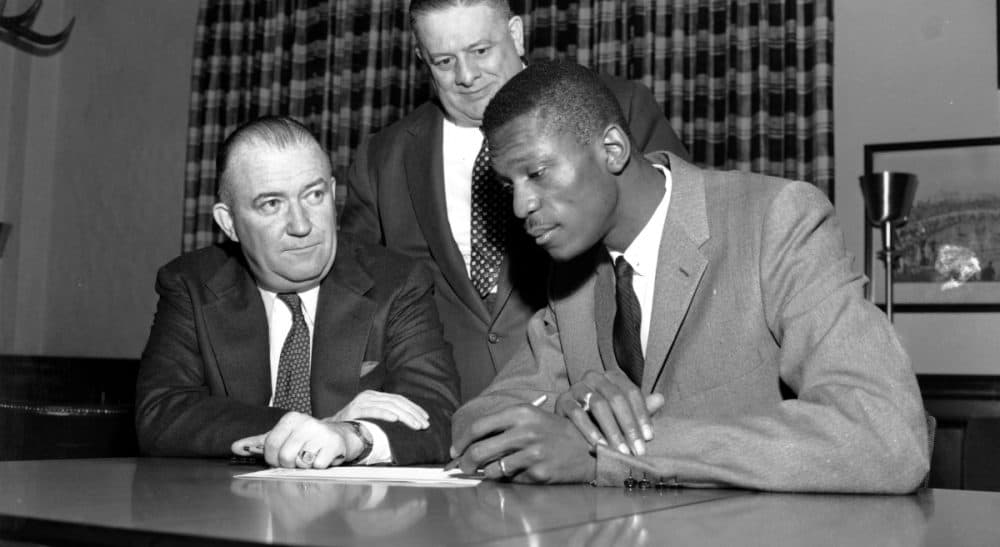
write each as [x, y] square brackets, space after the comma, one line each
[628, 320]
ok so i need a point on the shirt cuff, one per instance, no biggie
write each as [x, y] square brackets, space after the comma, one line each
[381, 452]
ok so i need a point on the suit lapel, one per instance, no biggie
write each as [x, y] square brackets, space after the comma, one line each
[583, 297]
[604, 310]
[680, 264]
[425, 178]
[236, 324]
[340, 334]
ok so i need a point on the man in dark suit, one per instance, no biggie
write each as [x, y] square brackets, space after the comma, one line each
[668, 363]
[412, 186]
[290, 342]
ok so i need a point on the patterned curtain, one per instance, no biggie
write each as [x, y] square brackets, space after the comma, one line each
[747, 84]
[344, 68]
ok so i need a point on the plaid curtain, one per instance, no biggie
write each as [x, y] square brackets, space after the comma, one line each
[747, 84]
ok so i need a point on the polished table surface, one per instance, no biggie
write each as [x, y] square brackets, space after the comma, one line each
[134, 501]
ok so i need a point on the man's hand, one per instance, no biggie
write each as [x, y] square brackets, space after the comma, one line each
[607, 408]
[299, 440]
[388, 407]
[526, 444]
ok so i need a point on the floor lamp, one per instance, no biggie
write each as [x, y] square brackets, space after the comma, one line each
[888, 199]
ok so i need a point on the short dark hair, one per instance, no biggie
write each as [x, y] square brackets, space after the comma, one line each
[276, 131]
[570, 97]
[419, 8]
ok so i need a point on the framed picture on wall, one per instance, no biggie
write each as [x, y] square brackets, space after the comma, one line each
[948, 251]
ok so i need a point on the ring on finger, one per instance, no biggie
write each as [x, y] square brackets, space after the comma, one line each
[585, 404]
[503, 468]
[307, 457]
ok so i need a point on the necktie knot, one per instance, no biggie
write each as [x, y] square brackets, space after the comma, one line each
[293, 302]
[623, 270]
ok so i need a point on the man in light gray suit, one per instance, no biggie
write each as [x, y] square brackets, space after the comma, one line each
[410, 186]
[668, 363]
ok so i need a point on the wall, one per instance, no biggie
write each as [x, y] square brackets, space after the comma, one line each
[912, 70]
[93, 177]
[29, 110]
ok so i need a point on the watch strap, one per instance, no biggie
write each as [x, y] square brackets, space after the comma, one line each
[366, 440]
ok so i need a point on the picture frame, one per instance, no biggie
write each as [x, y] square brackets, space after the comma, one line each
[955, 218]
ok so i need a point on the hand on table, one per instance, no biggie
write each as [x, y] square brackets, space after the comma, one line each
[525, 444]
[299, 440]
[388, 407]
[607, 408]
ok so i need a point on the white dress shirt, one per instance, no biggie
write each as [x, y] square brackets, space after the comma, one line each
[642, 254]
[279, 322]
[460, 146]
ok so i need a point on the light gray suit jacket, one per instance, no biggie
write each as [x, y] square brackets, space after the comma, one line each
[753, 286]
[396, 198]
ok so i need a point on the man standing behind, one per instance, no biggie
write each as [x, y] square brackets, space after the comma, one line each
[313, 351]
[423, 186]
[668, 362]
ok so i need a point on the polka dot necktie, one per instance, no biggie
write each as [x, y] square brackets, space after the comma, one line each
[491, 207]
[291, 390]
[628, 319]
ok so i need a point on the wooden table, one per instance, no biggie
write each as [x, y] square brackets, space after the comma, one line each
[130, 501]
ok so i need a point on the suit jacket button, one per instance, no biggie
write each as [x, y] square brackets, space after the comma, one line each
[493, 338]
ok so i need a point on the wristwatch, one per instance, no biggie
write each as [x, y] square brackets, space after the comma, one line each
[366, 440]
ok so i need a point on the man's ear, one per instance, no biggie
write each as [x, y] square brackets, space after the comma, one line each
[516, 29]
[224, 218]
[617, 148]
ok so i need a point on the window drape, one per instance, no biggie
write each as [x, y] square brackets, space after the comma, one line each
[747, 84]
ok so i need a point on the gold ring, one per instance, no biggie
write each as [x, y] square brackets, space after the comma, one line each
[503, 469]
[586, 401]
[307, 457]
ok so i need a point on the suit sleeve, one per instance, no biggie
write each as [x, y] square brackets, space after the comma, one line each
[650, 130]
[857, 424]
[175, 413]
[538, 368]
[421, 368]
[360, 215]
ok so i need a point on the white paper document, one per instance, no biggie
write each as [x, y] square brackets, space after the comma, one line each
[417, 476]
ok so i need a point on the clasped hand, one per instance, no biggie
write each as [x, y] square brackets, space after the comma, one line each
[300, 440]
[388, 407]
[525, 444]
[607, 408]
[528, 444]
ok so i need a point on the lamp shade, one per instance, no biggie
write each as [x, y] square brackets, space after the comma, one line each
[888, 196]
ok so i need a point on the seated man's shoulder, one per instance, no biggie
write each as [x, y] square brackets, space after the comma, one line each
[204, 262]
[388, 268]
[747, 189]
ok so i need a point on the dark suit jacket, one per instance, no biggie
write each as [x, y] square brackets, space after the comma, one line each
[396, 198]
[753, 285]
[204, 378]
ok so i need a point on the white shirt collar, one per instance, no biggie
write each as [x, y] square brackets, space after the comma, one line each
[642, 253]
[309, 299]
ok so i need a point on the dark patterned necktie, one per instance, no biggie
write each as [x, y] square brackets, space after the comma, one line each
[628, 321]
[490, 209]
[291, 390]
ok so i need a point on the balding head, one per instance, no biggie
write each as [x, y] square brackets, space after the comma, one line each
[276, 201]
[278, 132]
